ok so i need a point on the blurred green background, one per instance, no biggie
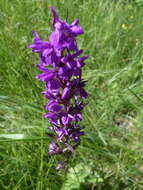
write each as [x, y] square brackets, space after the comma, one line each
[110, 156]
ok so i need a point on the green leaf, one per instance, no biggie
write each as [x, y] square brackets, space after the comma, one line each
[19, 137]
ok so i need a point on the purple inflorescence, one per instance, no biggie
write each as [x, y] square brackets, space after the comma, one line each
[61, 64]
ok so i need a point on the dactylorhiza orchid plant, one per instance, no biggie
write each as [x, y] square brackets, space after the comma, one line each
[61, 65]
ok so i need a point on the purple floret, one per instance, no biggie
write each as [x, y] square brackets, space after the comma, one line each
[61, 65]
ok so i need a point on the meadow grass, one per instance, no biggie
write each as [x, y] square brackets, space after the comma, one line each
[111, 152]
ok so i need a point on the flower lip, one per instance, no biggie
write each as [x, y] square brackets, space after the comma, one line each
[54, 106]
[54, 148]
[59, 166]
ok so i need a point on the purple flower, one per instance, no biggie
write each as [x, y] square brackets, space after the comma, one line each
[67, 119]
[59, 166]
[39, 46]
[66, 91]
[75, 134]
[61, 66]
[64, 34]
[46, 75]
[54, 149]
[53, 106]
[61, 133]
